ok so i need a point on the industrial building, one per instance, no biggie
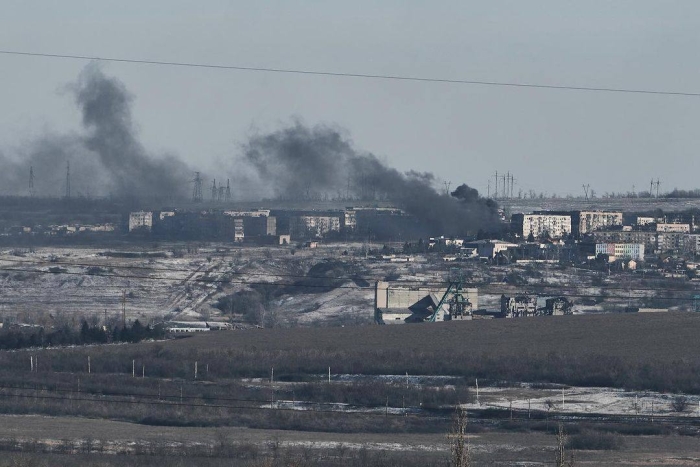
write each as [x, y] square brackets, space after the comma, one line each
[401, 304]
[489, 248]
[518, 306]
[558, 306]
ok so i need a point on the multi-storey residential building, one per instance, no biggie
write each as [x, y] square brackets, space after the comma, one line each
[141, 220]
[621, 250]
[349, 219]
[671, 241]
[318, 226]
[692, 243]
[675, 228]
[647, 238]
[555, 225]
[238, 230]
[589, 221]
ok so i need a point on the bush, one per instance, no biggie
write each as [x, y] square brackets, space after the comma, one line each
[679, 403]
[595, 442]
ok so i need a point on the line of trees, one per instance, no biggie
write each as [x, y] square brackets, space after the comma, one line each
[18, 338]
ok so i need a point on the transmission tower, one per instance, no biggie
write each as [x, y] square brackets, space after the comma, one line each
[228, 190]
[197, 190]
[221, 193]
[67, 179]
[31, 181]
[658, 184]
[585, 190]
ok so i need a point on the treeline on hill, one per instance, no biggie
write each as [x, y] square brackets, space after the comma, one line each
[18, 337]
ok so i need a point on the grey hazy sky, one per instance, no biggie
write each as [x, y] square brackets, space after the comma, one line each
[551, 140]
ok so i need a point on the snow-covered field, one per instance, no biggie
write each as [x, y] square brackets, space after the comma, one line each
[580, 400]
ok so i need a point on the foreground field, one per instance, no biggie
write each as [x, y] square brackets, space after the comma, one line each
[264, 395]
[95, 442]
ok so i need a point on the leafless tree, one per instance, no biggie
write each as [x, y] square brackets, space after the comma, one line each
[562, 440]
[460, 450]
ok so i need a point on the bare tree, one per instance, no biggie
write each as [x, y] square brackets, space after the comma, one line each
[460, 450]
[562, 440]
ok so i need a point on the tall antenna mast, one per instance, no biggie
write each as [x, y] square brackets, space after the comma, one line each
[197, 190]
[495, 191]
[31, 181]
[67, 179]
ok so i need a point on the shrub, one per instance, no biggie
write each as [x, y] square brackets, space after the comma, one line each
[679, 403]
[595, 442]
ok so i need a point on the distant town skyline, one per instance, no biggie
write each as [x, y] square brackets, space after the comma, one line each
[551, 141]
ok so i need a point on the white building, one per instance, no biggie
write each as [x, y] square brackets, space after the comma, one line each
[350, 219]
[594, 220]
[251, 213]
[141, 220]
[238, 230]
[646, 220]
[316, 226]
[556, 225]
[673, 228]
[617, 251]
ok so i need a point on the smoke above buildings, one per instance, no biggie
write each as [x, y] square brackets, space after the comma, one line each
[106, 158]
[301, 162]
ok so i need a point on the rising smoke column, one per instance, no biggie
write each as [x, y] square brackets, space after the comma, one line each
[106, 114]
[106, 158]
[299, 162]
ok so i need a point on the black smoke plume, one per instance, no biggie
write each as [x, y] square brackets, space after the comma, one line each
[305, 163]
[106, 158]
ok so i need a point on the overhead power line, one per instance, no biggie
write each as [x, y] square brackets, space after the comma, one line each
[337, 74]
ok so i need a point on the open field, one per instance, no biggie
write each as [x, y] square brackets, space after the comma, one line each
[228, 415]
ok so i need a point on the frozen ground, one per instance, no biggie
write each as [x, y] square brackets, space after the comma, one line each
[579, 400]
[182, 282]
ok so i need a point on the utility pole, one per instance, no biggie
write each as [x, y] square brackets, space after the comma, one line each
[228, 190]
[124, 308]
[67, 179]
[504, 186]
[495, 192]
[651, 188]
[447, 188]
[31, 181]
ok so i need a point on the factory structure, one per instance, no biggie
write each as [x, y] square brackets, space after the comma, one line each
[400, 304]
